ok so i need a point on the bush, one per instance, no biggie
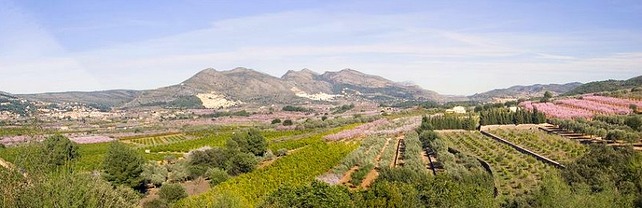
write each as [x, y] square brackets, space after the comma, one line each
[156, 203]
[123, 165]
[154, 173]
[196, 171]
[281, 152]
[276, 121]
[172, 192]
[217, 176]
[241, 163]
[178, 172]
[251, 141]
[59, 149]
[288, 122]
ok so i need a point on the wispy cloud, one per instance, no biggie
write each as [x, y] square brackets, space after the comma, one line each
[446, 59]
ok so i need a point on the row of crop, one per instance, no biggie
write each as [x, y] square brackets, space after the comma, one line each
[159, 140]
[356, 132]
[296, 142]
[594, 106]
[515, 173]
[556, 111]
[412, 156]
[362, 156]
[551, 146]
[599, 128]
[297, 169]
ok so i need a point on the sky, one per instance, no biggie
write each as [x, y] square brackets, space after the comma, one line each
[452, 47]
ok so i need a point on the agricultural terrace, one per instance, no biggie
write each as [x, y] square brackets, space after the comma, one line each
[297, 169]
[516, 174]
[390, 144]
[624, 129]
[552, 146]
[584, 107]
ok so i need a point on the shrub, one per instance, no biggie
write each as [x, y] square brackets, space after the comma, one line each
[288, 122]
[241, 163]
[217, 176]
[177, 172]
[59, 149]
[276, 121]
[172, 192]
[281, 152]
[123, 165]
[154, 173]
[251, 141]
[196, 171]
[156, 203]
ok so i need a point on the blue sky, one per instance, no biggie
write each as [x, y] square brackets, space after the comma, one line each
[452, 47]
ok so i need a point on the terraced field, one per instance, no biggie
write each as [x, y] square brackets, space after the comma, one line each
[159, 140]
[551, 146]
[515, 173]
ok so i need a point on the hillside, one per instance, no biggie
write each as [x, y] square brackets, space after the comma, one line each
[519, 91]
[607, 85]
[246, 86]
[108, 97]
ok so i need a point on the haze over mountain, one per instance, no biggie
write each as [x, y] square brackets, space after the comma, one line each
[519, 91]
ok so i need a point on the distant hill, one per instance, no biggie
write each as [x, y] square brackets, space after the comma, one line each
[110, 98]
[516, 92]
[241, 85]
[607, 85]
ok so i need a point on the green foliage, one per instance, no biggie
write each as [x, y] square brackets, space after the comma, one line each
[342, 109]
[276, 121]
[358, 176]
[62, 189]
[215, 157]
[296, 109]
[635, 122]
[504, 116]
[547, 97]
[172, 192]
[298, 169]
[281, 152]
[217, 176]
[59, 149]
[123, 165]
[250, 141]
[288, 122]
[436, 122]
[603, 165]
[156, 203]
[185, 102]
[154, 173]
[317, 194]
[241, 163]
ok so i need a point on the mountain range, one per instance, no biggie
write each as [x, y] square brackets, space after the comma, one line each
[241, 86]
[212, 88]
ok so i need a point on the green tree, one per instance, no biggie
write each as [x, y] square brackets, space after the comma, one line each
[251, 141]
[172, 192]
[288, 122]
[123, 165]
[276, 121]
[59, 149]
[317, 194]
[547, 96]
[241, 163]
[217, 176]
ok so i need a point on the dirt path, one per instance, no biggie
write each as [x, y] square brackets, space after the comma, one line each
[400, 151]
[373, 174]
[347, 176]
